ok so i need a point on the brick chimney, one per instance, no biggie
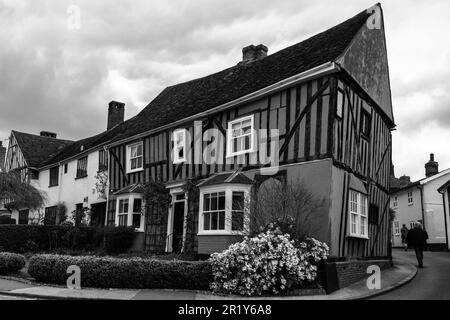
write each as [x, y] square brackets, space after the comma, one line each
[48, 134]
[431, 167]
[253, 53]
[116, 114]
[2, 157]
[405, 180]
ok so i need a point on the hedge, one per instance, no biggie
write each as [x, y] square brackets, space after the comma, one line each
[133, 273]
[11, 263]
[35, 238]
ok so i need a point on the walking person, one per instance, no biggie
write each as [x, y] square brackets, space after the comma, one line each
[417, 237]
[404, 232]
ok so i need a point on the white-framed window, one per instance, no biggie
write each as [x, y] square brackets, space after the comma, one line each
[122, 213]
[240, 136]
[395, 202]
[396, 228]
[410, 198]
[358, 214]
[135, 157]
[224, 210]
[129, 211]
[179, 146]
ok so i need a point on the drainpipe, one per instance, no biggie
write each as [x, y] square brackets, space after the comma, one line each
[421, 204]
[107, 194]
[445, 219]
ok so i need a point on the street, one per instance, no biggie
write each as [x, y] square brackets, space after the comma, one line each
[431, 283]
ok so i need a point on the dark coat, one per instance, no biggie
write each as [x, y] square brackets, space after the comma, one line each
[417, 237]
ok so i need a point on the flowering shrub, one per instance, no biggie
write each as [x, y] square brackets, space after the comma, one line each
[269, 263]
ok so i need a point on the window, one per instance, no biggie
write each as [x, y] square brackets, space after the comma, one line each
[54, 176]
[396, 228]
[340, 104]
[102, 160]
[358, 214]
[50, 216]
[373, 214]
[82, 168]
[179, 149]
[137, 213]
[240, 136]
[123, 212]
[395, 202]
[66, 168]
[214, 211]
[365, 123]
[223, 210]
[79, 213]
[135, 157]
[23, 216]
[237, 213]
[129, 212]
[410, 198]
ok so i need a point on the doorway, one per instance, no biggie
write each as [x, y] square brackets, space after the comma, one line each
[98, 214]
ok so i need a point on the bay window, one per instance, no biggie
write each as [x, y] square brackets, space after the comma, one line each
[129, 211]
[358, 215]
[223, 210]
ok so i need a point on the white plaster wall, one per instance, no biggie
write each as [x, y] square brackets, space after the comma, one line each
[404, 212]
[70, 190]
[434, 210]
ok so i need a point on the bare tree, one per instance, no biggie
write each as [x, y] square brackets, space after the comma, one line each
[283, 202]
[18, 194]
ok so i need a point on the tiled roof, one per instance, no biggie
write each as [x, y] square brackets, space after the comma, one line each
[37, 149]
[187, 99]
[230, 177]
[132, 188]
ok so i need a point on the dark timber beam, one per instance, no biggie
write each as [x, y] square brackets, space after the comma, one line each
[301, 116]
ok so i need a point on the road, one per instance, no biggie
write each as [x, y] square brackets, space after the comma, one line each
[431, 283]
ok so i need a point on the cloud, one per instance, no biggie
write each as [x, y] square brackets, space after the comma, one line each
[61, 80]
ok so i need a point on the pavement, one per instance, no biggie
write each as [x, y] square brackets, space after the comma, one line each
[431, 283]
[402, 273]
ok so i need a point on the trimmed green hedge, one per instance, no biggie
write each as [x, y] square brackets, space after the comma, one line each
[35, 238]
[134, 273]
[11, 262]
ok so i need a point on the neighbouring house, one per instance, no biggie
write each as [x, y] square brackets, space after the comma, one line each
[24, 154]
[421, 201]
[2, 157]
[329, 98]
[72, 174]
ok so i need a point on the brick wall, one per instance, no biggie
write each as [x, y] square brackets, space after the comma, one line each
[339, 275]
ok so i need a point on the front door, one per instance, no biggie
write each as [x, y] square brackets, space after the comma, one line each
[178, 226]
[98, 214]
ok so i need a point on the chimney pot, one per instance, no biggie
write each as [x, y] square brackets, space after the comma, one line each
[253, 53]
[116, 114]
[431, 167]
[48, 134]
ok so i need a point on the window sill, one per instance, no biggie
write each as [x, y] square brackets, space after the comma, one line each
[52, 186]
[135, 170]
[82, 177]
[221, 233]
[241, 153]
[358, 237]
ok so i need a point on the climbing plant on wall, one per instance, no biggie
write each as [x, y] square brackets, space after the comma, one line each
[193, 193]
[157, 202]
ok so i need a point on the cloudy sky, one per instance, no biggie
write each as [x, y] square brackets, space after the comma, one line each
[55, 76]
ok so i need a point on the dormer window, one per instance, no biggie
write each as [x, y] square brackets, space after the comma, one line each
[240, 136]
[179, 148]
[135, 157]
